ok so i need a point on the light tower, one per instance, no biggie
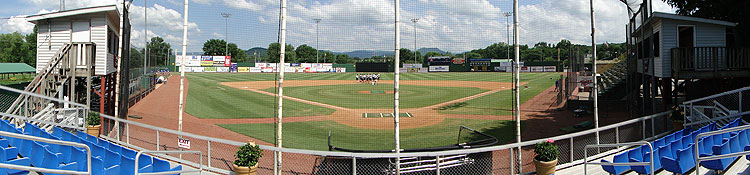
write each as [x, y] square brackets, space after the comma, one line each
[226, 32]
[317, 44]
[414, 21]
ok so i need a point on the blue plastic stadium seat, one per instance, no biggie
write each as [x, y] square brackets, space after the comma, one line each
[620, 158]
[127, 166]
[163, 166]
[720, 164]
[743, 137]
[636, 154]
[747, 148]
[659, 142]
[647, 158]
[51, 161]
[674, 146]
[706, 145]
[128, 153]
[682, 163]
[15, 161]
[98, 167]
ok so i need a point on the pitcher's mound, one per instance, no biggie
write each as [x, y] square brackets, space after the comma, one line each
[376, 92]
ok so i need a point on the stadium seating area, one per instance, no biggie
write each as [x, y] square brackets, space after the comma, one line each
[675, 152]
[106, 157]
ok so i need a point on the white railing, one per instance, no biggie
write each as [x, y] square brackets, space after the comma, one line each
[699, 159]
[145, 137]
[51, 141]
[55, 107]
[702, 111]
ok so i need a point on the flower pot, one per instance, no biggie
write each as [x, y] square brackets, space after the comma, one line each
[677, 125]
[243, 170]
[93, 130]
[545, 168]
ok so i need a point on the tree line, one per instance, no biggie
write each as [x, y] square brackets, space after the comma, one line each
[18, 48]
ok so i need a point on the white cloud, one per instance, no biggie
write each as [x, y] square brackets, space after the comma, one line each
[19, 24]
[162, 22]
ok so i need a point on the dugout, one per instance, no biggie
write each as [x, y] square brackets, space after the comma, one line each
[373, 67]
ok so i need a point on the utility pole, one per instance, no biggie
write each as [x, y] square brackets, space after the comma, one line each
[507, 30]
[415, 20]
[226, 32]
[517, 101]
[145, 36]
[317, 44]
[280, 107]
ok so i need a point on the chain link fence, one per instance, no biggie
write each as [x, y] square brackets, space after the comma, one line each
[721, 108]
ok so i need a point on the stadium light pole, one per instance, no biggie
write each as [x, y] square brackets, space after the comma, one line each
[282, 54]
[396, 61]
[593, 70]
[507, 30]
[415, 20]
[145, 35]
[516, 91]
[226, 32]
[317, 44]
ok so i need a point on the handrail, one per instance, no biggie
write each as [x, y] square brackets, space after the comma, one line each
[698, 159]
[717, 118]
[51, 141]
[29, 119]
[717, 95]
[393, 155]
[138, 155]
[639, 143]
[42, 96]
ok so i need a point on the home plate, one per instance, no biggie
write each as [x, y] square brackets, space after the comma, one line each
[245, 87]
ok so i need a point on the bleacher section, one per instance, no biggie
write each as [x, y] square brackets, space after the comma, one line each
[676, 151]
[107, 158]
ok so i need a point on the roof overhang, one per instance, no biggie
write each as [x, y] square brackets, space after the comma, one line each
[662, 15]
[111, 9]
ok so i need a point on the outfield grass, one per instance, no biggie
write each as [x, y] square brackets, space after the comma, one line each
[208, 99]
[314, 135]
[349, 95]
[500, 103]
[455, 76]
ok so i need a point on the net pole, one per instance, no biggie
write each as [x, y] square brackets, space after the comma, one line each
[145, 37]
[282, 53]
[182, 68]
[593, 70]
[396, 61]
[516, 84]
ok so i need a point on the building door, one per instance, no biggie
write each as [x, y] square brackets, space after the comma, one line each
[686, 39]
[81, 33]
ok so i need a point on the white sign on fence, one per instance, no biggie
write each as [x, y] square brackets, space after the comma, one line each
[183, 143]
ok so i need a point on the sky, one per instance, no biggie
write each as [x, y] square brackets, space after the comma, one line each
[348, 25]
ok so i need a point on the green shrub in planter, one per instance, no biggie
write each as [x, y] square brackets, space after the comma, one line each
[546, 151]
[93, 119]
[248, 155]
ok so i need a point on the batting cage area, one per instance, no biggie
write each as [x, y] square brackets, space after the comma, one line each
[355, 77]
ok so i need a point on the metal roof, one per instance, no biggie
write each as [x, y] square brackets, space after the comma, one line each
[9, 68]
[695, 19]
[74, 12]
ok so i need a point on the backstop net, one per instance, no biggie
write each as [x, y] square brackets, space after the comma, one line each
[455, 62]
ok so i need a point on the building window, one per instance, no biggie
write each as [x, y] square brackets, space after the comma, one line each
[656, 44]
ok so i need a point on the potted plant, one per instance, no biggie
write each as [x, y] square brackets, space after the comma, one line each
[678, 118]
[546, 157]
[247, 157]
[93, 124]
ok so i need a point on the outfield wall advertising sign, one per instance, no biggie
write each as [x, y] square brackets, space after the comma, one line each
[190, 60]
[550, 68]
[412, 65]
[243, 69]
[439, 68]
[537, 68]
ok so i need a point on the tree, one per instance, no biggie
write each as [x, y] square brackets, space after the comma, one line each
[136, 58]
[14, 48]
[158, 51]
[343, 59]
[727, 10]
[238, 55]
[214, 47]
[473, 55]
[273, 53]
[306, 54]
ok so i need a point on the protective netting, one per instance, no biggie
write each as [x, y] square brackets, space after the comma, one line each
[456, 85]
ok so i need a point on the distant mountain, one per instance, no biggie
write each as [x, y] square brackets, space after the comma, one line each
[366, 53]
[427, 50]
[261, 52]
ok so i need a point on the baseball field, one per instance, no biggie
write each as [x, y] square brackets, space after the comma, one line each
[358, 115]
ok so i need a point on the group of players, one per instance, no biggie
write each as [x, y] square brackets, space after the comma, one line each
[367, 78]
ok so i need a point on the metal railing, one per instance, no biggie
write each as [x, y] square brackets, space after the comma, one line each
[138, 155]
[710, 58]
[36, 115]
[699, 159]
[492, 159]
[640, 143]
[142, 136]
[51, 141]
[716, 107]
